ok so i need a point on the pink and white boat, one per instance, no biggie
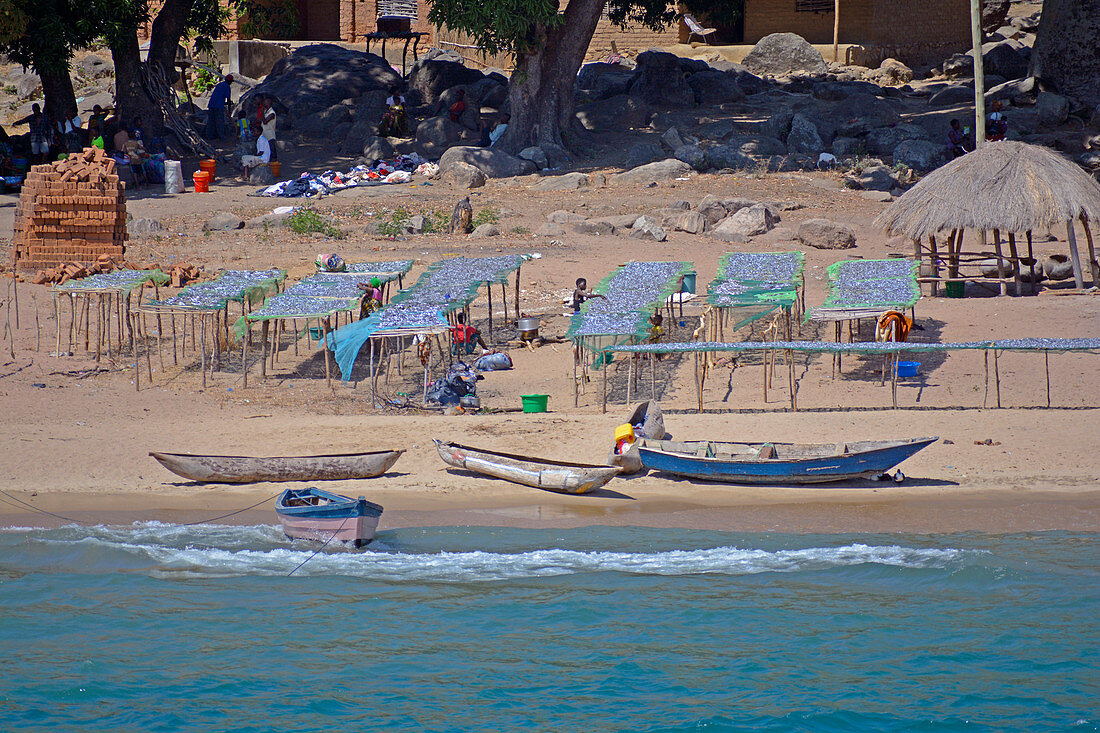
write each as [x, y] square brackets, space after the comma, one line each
[315, 514]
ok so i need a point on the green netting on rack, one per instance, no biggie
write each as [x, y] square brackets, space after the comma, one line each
[231, 285]
[752, 278]
[446, 286]
[318, 287]
[631, 293]
[1033, 344]
[885, 284]
[123, 281]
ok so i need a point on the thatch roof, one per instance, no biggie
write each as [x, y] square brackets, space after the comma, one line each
[1007, 185]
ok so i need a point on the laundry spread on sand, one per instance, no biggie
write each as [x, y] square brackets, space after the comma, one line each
[401, 169]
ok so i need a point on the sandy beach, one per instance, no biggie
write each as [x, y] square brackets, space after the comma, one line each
[75, 437]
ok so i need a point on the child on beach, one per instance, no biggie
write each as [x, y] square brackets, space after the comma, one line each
[582, 293]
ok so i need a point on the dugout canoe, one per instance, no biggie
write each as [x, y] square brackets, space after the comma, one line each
[254, 469]
[316, 514]
[560, 476]
[777, 463]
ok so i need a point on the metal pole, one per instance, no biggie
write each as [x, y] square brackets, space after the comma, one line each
[979, 71]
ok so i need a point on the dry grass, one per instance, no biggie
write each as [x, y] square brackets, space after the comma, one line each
[1008, 185]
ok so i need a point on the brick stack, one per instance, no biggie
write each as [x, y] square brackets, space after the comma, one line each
[73, 210]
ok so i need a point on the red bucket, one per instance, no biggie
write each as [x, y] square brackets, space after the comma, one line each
[202, 181]
[208, 165]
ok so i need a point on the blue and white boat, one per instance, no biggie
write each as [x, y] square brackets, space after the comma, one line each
[315, 514]
[777, 463]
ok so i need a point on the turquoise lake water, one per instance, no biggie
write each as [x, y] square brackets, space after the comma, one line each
[159, 627]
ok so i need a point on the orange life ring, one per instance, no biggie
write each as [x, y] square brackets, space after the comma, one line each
[900, 322]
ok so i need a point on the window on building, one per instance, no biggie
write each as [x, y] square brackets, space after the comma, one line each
[813, 6]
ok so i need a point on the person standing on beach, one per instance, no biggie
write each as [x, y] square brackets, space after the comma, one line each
[215, 108]
[41, 134]
[267, 124]
[582, 293]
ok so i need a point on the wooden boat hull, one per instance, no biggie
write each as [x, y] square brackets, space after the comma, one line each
[567, 478]
[342, 518]
[848, 461]
[253, 469]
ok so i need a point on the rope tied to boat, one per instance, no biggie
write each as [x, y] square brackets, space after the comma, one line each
[323, 546]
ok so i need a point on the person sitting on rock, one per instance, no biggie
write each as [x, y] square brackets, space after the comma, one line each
[262, 157]
[996, 126]
[499, 129]
[464, 337]
[394, 122]
[956, 139]
[459, 107]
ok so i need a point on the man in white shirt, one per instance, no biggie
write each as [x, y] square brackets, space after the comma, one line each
[499, 130]
[267, 125]
[262, 156]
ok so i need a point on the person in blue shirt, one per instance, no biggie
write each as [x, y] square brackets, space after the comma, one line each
[215, 109]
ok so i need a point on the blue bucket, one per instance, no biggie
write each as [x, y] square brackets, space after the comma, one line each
[908, 368]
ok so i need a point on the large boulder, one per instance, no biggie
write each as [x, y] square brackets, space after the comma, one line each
[323, 121]
[782, 53]
[691, 222]
[435, 134]
[321, 75]
[566, 182]
[804, 137]
[758, 145]
[493, 163]
[223, 221]
[1051, 109]
[876, 178]
[750, 221]
[994, 13]
[377, 149]
[952, 96]
[1004, 60]
[488, 91]
[662, 170]
[536, 155]
[958, 65]
[883, 140]
[646, 227]
[921, 155]
[720, 157]
[642, 153]
[367, 114]
[714, 87]
[826, 234]
[892, 72]
[620, 112]
[660, 81]
[432, 77]
[464, 175]
[694, 155]
[600, 81]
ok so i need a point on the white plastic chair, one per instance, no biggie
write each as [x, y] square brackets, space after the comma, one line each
[696, 29]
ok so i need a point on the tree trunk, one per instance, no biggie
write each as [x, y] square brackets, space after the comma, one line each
[58, 91]
[1065, 55]
[130, 97]
[164, 39]
[540, 97]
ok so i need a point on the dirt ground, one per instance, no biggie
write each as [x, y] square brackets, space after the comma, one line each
[75, 437]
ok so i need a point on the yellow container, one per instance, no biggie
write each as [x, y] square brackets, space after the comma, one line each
[624, 432]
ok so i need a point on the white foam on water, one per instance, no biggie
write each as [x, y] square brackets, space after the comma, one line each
[169, 550]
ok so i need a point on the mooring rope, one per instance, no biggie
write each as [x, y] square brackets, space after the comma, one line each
[318, 550]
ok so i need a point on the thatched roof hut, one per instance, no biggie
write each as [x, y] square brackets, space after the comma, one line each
[1004, 186]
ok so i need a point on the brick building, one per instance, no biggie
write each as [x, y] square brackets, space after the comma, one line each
[910, 31]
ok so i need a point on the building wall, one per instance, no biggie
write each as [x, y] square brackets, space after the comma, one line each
[763, 17]
[633, 40]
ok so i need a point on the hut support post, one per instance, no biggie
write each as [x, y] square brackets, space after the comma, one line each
[979, 71]
[137, 359]
[517, 295]
[1001, 288]
[263, 339]
[997, 375]
[328, 354]
[1015, 259]
[244, 350]
[630, 376]
[1078, 277]
[1094, 266]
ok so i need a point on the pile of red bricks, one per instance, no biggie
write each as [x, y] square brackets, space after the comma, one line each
[73, 210]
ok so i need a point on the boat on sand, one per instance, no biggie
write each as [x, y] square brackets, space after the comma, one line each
[561, 476]
[777, 463]
[315, 514]
[254, 469]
